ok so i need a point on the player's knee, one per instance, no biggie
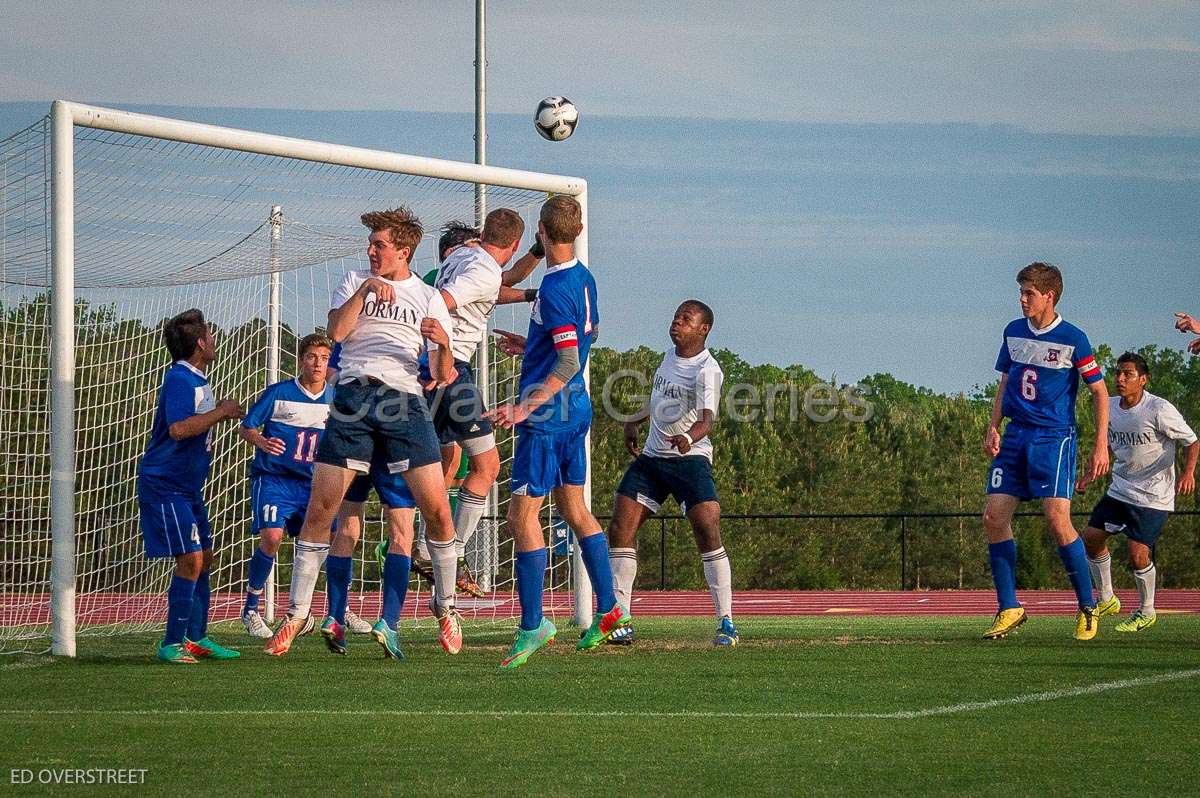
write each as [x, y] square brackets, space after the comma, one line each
[1095, 541]
[1139, 557]
[190, 565]
[270, 540]
[486, 465]
[994, 521]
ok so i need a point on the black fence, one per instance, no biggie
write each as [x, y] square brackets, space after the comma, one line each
[886, 551]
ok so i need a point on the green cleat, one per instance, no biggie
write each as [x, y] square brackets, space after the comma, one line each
[206, 648]
[175, 653]
[381, 555]
[386, 636]
[1106, 608]
[602, 627]
[528, 641]
[1136, 622]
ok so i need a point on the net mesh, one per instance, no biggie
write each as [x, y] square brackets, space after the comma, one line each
[162, 227]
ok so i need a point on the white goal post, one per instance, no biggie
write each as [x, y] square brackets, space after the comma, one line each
[65, 117]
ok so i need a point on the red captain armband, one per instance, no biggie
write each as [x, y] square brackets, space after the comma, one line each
[1088, 369]
[564, 336]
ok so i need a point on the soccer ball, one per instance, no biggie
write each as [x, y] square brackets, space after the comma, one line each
[556, 118]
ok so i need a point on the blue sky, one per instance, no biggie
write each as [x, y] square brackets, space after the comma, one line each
[852, 185]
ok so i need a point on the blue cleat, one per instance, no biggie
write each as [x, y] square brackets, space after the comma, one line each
[334, 634]
[727, 633]
[622, 636]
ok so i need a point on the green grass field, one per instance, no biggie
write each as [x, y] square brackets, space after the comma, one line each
[811, 706]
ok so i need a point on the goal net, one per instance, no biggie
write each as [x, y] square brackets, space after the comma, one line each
[254, 230]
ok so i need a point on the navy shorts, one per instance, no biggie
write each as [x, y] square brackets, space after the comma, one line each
[392, 489]
[1034, 463]
[544, 461]
[369, 420]
[650, 480]
[458, 408]
[1121, 518]
[174, 525]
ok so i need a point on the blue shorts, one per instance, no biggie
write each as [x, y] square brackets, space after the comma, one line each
[1116, 517]
[392, 489]
[279, 502]
[1034, 463]
[458, 408]
[543, 461]
[174, 525]
[369, 420]
[650, 480]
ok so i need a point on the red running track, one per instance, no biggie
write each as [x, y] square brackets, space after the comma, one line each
[16, 611]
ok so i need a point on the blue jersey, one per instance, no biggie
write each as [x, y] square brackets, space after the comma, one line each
[564, 314]
[1043, 368]
[170, 467]
[293, 415]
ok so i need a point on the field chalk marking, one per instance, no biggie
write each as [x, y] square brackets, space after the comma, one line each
[913, 714]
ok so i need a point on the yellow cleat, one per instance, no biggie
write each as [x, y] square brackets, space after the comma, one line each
[1006, 621]
[1110, 607]
[1086, 623]
[1136, 622]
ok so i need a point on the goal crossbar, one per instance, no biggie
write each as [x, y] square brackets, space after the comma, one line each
[64, 117]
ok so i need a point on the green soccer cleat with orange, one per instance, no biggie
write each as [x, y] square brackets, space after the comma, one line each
[528, 641]
[207, 648]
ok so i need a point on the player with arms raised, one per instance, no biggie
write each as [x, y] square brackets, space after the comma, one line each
[552, 418]
[171, 477]
[677, 461]
[1142, 432]
[1041, 361]
[384, 317]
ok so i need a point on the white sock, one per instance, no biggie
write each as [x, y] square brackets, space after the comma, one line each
[309, 560]
[720, 581]
[1101, 569]
[1145, 579]
[467, 513]
[420, 549]
[624, 570]
[445, 568]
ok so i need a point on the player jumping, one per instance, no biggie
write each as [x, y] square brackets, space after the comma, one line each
[384, 317]
[171, 476]
[552, 418]
[1142, 432]
[676, 461]
[1041, 360]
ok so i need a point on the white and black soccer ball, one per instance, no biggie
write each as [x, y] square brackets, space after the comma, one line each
[556, 118]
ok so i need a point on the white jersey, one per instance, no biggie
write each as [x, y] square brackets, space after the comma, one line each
[1142, 439]
[386, 340]
[472, 277]
[683, 386]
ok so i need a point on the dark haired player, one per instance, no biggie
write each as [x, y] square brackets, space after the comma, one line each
[171, 477]
[676, 460]
[1142, 432]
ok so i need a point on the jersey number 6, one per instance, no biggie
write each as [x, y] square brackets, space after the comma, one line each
[1029, 384]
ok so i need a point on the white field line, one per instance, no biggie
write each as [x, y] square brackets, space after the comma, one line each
[912, 714]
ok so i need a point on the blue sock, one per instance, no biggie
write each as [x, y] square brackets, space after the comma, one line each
[395, 586]
[179, 608]
[197, 628]
[531, 573]
[1003, 557]
[1074, 559]
[337, 582]
[260, 569]
[594, 549]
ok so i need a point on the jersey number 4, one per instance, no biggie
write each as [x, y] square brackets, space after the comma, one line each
[1029, 385]
[306, 446]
